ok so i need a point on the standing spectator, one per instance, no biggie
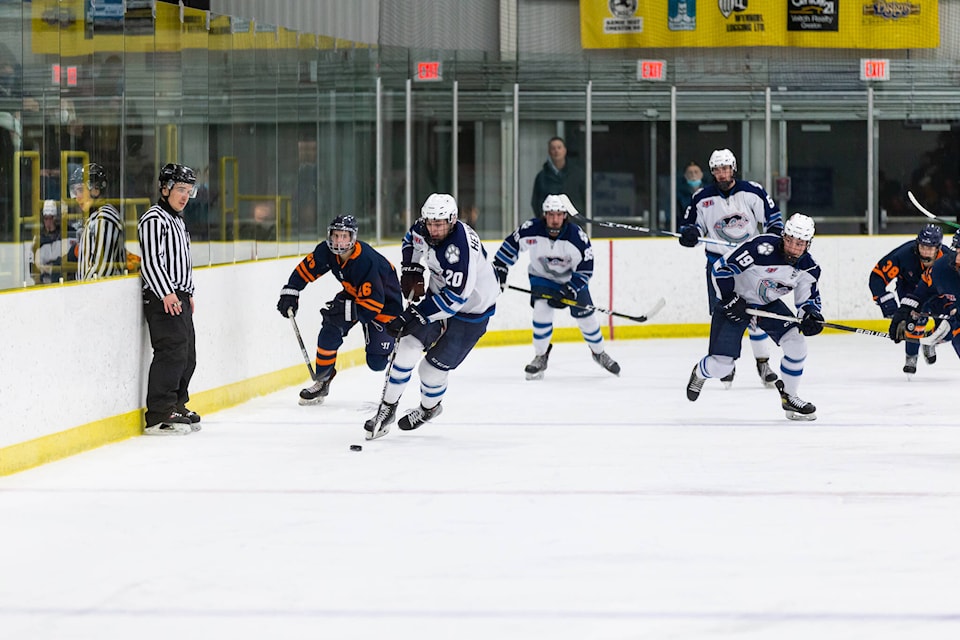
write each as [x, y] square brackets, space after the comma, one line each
[559, 175]
[561, 265]
[444, 327]
[167, 275]
[48, 246]
[101, 251]
[370, 296]
[688, 184]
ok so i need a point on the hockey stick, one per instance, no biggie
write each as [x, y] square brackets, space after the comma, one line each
[380, 429]
[573, 303]
[931, 339]
[303, 349]
[630, 227]
[927, 213]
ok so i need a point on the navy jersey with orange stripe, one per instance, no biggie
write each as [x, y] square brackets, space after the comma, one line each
[902, 264]
[366, 276]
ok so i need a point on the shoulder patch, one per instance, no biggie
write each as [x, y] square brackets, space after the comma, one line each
[765, 249]
[452, 254]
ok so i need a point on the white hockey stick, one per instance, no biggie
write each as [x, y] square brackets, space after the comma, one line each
[933, 338]
[927, 213]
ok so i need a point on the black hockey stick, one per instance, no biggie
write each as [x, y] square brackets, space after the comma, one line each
[573, 303]
[931, 339]
[927, 213]
[303, 349]
[630, 227]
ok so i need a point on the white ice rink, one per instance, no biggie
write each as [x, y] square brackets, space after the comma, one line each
[578, 507]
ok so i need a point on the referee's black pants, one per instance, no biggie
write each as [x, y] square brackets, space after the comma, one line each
[174, 356]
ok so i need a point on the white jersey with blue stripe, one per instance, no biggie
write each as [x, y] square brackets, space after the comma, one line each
[758, 272]
[746, 211]
[566, 258]
[462, 282]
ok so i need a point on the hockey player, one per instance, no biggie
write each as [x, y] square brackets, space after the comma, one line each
[732, 210]
[370, 296]
[906, 266]
[943, 282]
[756, 275]
[561, 265]
[101, 251]
[447, 322]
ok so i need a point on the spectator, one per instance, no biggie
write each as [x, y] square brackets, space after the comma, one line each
[559, 175]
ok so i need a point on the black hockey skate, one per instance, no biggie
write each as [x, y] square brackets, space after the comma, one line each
[192, 416]
[418, 416]
[379, 425]
[910, 366]
[318, 392]
[727, 380]
[175, 424]
[538, 365]
[765, 372]
[795, 408]
[695, 384]
[929, 353]
[606, 362]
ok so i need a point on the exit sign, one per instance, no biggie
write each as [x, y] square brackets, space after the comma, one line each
[429, 71]
[651, 69]
[874, 69]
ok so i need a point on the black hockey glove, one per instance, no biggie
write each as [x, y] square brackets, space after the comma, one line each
[289, 302]
[735, 309]
[405, 322]
[567, 292]
[411, 282]
[812, 323]
[888, 304]
[501, 270]
[689, 235]
[902, 321]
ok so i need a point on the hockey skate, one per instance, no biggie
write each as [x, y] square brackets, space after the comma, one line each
[538, 365]
[176, 424]
[765, 372]
[606, 362]
[695, 384]
[795, 408]
[910, 366]
[418, 416]
[379, 425]
[929, 353]
[192, 416]
[318, 392]
[727, 380]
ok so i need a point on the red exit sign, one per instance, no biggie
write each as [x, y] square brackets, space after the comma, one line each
[651, 69]
[429, 71]
[874, 69]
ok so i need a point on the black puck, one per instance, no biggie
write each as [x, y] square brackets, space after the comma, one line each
[356, 447]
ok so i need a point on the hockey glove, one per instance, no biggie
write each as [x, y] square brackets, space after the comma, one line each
[567, 292]
[411, 281]
[888, 304]
[812, 323]
[501, 270]
[689, 235]
[289, 302]
[735, 309]
[902, 321]
[405, 322]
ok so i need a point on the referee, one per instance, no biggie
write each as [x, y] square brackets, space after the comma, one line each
[167, 275]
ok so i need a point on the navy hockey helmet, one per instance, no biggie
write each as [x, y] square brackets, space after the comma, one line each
[342, 223]
[172, 174]
[931, 236]
[955, 243]
[92, 175]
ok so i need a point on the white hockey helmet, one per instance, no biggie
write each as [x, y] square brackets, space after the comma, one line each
[49, 209]
[440, 206]
[723, 158]
[800, 227]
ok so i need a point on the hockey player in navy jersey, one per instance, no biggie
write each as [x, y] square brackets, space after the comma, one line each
[732, 210]
[450, 314]
[756, 275]
[905, 266]
[561, 265]
[943, 284]
[370, 296]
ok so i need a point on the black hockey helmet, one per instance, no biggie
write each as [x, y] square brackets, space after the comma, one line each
[91, 175]
[342, 223]
[172, 174]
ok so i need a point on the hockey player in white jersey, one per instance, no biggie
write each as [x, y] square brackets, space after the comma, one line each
[732, 210]
[448, 320]
[561, 265]
[756, 275]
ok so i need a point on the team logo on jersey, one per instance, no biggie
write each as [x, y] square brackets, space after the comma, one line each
[452, 254]
[729, 6]
[770, 290]
[734, 228]
[531, 241]
[765, 249]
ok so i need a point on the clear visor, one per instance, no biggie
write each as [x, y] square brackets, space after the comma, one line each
[182, 188]
[76, 189]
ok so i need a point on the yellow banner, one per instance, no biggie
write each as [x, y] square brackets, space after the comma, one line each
[837, 24]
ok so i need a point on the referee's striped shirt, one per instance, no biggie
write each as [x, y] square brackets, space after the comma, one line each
[165, 247]
[102, 251]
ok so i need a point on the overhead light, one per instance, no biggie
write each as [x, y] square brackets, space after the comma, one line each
[815, 128]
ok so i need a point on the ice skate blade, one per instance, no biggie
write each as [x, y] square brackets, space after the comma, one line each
[379, 433]
[535, 376]
[801, 417]
[304, 402]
